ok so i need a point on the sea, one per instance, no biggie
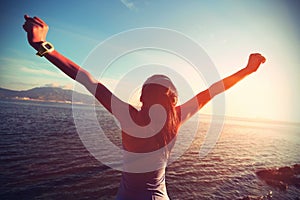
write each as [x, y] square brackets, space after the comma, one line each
[43, 157]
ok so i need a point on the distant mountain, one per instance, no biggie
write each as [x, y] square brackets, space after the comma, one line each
[52, 94]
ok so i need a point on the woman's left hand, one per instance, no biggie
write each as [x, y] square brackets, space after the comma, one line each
[255, 60]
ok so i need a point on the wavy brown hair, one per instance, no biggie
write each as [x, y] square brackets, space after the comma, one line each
[159, 89]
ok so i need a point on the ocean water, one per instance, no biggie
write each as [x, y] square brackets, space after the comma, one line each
[42, 157]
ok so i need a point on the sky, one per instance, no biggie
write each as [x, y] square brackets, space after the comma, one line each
[228, 31]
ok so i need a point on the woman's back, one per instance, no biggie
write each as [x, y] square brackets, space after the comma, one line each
[150, 184]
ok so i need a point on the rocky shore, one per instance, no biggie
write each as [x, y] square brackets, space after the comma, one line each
[282, 177]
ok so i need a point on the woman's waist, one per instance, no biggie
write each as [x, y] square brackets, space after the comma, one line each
[148, 181]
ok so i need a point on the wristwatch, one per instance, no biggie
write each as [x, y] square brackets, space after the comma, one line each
[44, 48]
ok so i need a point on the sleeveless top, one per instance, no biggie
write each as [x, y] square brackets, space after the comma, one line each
[142, 185]
[148, 181]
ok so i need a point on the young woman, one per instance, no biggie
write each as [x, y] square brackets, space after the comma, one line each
[157, 89]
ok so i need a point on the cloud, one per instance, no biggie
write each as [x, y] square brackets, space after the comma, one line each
[18, 85]
[55, 84]
[130, 5]
[39, 71]
[7, 63]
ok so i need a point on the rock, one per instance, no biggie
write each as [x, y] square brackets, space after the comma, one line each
[286, 172]
[267, 174]
[279, 184]
[296, 169]
[281, 177]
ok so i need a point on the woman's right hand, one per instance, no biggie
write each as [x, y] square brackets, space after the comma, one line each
[254, 62]
[36, 30]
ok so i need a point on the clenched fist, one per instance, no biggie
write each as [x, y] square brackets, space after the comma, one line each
[36, 30]
[254, 62]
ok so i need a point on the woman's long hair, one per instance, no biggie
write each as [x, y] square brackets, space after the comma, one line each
[159, 89]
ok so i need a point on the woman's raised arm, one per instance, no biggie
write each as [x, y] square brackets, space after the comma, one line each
[36, 34]
[189, 108]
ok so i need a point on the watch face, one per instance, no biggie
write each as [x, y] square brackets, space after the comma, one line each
[48, 46]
